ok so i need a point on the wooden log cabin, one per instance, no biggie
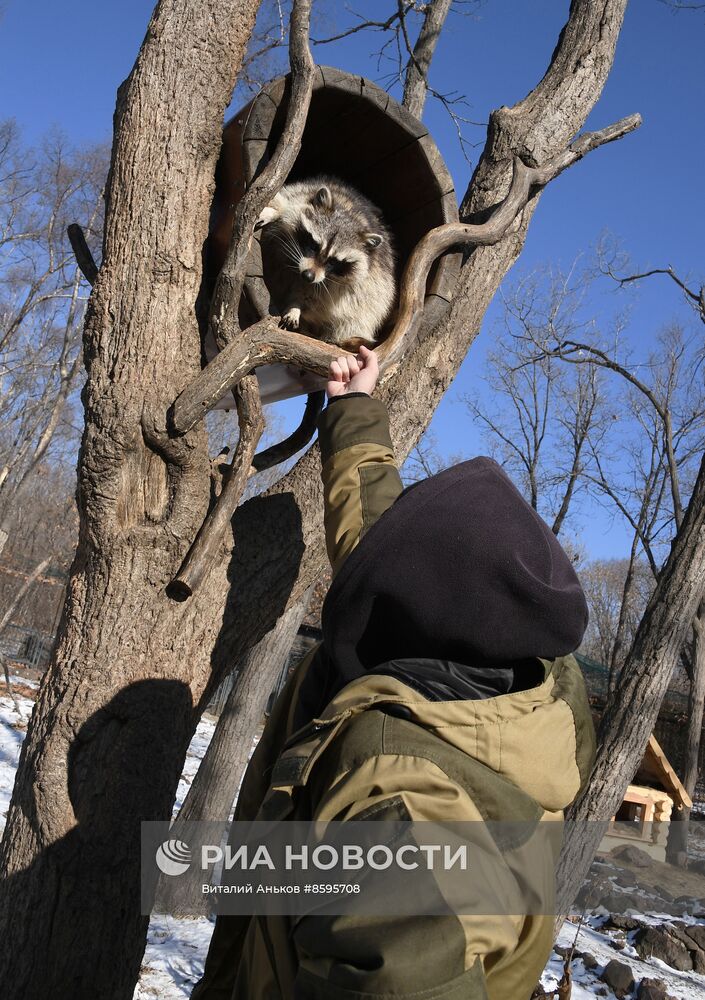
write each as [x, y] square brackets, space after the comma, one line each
[645, 814]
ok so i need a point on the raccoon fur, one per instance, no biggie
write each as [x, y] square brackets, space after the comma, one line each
[328, 262]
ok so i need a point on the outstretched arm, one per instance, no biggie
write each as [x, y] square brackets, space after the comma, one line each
[359, 471]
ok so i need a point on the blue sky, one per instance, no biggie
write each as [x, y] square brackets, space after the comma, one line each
[61, 63]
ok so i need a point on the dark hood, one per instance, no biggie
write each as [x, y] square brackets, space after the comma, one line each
[460, 568]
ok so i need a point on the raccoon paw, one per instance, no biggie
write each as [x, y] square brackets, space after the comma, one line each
[291, 319]
[266, 216]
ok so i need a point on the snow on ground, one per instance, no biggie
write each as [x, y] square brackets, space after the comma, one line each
[683, 985]
[173, 960]
[176, 949]
[12, 730]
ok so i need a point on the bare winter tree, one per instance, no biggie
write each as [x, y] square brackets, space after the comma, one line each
[641, 454]
[133, 667]
[539, 418]
[639, 451]
[605, 582]
[411, 32]
[42, 300]
[668, 395]
[675, 437]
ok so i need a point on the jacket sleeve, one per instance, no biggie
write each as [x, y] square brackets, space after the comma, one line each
[359, 471]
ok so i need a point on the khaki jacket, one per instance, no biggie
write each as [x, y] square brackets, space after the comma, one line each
[381, 749]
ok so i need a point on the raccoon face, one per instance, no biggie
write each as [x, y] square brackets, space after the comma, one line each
[334, 245]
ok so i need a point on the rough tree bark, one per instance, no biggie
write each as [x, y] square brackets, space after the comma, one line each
[629, 718]
[215, 784]
[115, 713]
[133, 669]
[677, 845]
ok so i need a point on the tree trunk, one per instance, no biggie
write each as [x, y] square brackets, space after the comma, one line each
[212, 792]
[213, 789]
[115, 713]
[677, 847]
[132, 668]
[629, 719]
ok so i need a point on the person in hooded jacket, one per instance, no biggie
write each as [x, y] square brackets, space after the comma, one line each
[443, 690]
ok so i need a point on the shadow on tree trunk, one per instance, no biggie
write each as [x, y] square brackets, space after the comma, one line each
[97, 863]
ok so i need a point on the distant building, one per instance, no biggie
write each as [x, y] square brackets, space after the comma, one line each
[29, 637]
[645, 813]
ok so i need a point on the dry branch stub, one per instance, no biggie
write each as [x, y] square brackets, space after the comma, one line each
[356, 132]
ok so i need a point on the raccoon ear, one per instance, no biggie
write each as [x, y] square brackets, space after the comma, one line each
[372, 240]
[323, 198]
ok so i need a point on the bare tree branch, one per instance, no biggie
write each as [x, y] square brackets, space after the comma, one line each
[420, 56]
[411, 61]
[362, 26]
[228, 288]
[204, 550]
[646, 675]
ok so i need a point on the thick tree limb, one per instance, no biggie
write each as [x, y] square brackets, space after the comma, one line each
[215, 785]
[525, 182]
[204, 550]
[420, 56]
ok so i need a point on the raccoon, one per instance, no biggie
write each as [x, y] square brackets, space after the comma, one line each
[328, 262]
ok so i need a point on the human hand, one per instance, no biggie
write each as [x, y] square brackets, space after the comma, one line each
[353, 374]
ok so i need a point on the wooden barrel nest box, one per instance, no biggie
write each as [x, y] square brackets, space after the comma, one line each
[357, 132]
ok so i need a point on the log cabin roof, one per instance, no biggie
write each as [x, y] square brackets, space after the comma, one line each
[656, 770]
